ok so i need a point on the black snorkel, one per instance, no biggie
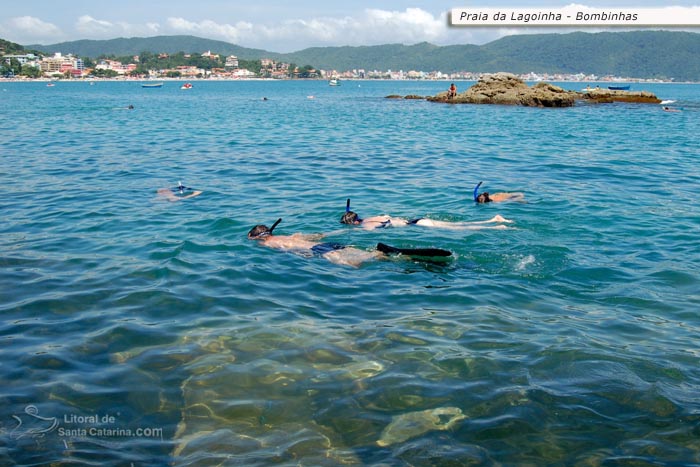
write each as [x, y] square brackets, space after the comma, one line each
[261, 231]
[269, 232]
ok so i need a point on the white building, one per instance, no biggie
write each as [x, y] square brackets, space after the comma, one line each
[231, 62]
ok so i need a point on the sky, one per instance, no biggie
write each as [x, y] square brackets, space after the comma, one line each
[274, 25]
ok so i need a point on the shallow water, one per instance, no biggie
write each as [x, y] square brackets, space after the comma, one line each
[569, 338]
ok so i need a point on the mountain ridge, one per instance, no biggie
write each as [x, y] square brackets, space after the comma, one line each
[641, 54]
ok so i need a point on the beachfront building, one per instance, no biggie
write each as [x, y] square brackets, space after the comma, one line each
[27, 64]
[116, 66]
[22, 59]
[56, 64]
[231, 62]
[188, 71]
[59, 64]
[243, 74]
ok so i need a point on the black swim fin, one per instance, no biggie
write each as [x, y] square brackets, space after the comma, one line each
[384, 248]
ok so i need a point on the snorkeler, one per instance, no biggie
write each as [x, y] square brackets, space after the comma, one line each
[178, 193]
[485, 197]
[378, 222]
[309, 245]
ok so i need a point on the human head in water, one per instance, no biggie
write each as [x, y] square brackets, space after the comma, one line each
[261, 231]
[483, 198]
[350, 217]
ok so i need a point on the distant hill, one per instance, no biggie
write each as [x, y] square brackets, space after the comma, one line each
[9, 48]
[642, 54]
[122, 47]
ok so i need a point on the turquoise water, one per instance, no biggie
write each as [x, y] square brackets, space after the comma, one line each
[141, 332]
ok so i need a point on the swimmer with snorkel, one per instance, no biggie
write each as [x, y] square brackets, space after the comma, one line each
[309, 245]
[485, 197]
[379, 222]
[177, 193]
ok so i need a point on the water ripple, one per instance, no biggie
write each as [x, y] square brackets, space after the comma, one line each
[568, 338]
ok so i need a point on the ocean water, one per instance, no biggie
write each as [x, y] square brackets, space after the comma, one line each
[137, 331]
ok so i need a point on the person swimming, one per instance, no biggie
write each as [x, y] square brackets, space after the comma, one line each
[378, 222]
[486, 197]
[309, 245]
[178, 193]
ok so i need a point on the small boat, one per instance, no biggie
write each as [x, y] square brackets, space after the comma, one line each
[50, 85]
[334, 82]
[186, 86]
[619, 88]
[151, 85]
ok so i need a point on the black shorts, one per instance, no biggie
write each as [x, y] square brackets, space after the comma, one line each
[323, 248]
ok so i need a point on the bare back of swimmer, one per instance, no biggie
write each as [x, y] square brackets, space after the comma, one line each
[378, 222]
[309, 245]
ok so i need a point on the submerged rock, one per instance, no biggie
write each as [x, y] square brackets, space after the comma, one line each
[409, 97]
[412, 424]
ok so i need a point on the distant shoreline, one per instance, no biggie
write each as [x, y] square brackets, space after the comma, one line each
[442, 80]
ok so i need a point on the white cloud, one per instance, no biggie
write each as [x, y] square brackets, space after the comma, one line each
[372, 27]
[28, 29]
[89, 27]
[211, 29]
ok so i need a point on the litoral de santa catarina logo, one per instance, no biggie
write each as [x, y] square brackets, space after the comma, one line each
[72, 425]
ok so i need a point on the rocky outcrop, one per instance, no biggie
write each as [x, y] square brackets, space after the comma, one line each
[410, 96]
[603, 96]
[508, 89]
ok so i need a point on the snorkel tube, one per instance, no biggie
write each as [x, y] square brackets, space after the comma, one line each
[181, 188]
[269, 232]
[350, 217]
[476, 191]
[261, 231]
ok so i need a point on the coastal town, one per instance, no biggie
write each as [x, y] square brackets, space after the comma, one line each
[57, 66]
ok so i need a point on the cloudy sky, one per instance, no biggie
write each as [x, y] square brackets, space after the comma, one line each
[274, 25]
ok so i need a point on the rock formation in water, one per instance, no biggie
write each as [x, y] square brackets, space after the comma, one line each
[508, 89]
[603, 96]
